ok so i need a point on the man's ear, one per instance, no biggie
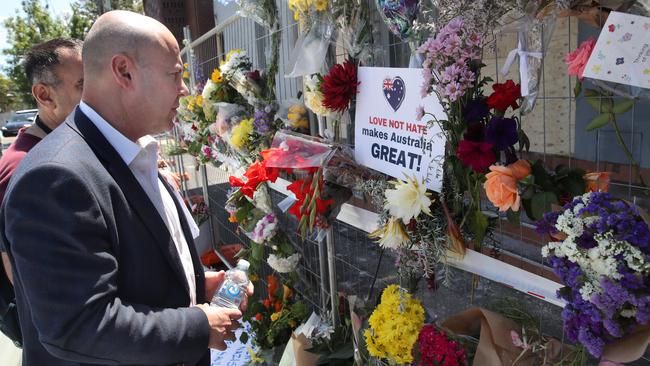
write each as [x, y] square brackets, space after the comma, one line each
[43, 95]
[122, 68]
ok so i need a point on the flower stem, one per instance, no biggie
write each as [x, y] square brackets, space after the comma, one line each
[628, 154]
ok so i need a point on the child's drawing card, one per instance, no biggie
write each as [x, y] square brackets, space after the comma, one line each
[622, 52]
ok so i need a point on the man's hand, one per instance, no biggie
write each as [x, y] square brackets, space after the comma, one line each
[214, 279]
[223, 321]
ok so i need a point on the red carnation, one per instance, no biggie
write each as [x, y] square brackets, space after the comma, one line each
[436, 349]
[477, 155]
[339, 86]
[504, 96]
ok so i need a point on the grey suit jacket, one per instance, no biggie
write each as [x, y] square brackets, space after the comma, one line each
[98, 278]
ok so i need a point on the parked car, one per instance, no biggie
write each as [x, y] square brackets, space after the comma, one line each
[18, 120]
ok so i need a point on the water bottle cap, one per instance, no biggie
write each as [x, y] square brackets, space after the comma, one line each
[243, 264]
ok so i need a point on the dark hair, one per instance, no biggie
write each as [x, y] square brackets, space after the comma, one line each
[40, 60]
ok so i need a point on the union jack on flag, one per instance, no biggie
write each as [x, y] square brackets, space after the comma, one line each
[388, 84]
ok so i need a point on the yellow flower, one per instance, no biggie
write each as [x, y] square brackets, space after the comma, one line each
[394, 326]
[275, 316]
[229, 55]
[392, 235]
[241, 132]
[199, 101]
[253, 278]
[186, 65]
[321, 5]
[297, 117]
[216, 76]
[186, 74]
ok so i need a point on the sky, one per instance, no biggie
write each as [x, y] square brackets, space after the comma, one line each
[9, 8]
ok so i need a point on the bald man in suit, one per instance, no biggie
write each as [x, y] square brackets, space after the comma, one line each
[105, 267]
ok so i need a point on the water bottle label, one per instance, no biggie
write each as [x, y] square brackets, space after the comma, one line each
[230, 292]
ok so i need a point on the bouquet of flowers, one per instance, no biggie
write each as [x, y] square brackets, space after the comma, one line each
[198, 208]
[477, 129]
[238, 71]
[274, 316]
[394, 326]
[294, 153]
[437, 349]
[602, 256]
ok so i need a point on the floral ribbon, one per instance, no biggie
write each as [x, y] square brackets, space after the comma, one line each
[523, 65]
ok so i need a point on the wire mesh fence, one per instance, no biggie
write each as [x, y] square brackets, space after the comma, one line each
[556, 128]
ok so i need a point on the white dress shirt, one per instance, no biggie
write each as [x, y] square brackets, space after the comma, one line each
[142, 160]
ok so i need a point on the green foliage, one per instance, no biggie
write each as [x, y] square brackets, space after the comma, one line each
[34, 26]
[34, 23]
[7, 99]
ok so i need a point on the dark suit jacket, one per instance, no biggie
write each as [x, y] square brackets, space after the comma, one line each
[98, 278]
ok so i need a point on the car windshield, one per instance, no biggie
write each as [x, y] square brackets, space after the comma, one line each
[22, 118]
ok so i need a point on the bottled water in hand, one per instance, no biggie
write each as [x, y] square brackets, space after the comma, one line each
[233, 289]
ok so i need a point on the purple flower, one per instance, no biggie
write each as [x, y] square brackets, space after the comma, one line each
[475, 110]
[502, 132]
[261, 121]
[419, 113]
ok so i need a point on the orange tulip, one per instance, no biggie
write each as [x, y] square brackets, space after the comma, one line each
[258, 317]
[501, 184]
[597, 181]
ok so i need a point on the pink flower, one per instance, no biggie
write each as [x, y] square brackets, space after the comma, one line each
[577, 60]
[453, 91]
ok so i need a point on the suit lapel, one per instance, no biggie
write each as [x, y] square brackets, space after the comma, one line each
[196, 263]
[135, 195]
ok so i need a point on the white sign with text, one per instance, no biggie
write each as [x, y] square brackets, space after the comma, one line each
[388, 138]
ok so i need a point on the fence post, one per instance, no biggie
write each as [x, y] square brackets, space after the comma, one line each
[331, 262]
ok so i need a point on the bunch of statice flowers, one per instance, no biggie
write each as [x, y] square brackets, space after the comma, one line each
[603, 258]
[451, 61]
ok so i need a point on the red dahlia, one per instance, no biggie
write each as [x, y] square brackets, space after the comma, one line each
[339, 86]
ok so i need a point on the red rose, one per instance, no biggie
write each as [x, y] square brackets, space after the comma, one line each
[477, 155]
[505, 95]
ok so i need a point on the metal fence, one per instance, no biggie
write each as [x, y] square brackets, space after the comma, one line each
[556, 128]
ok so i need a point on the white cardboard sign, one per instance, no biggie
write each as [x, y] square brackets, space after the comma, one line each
[388, 138]
[622, 52]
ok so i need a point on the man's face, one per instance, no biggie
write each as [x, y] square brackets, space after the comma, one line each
[67, 93]
[161, 73]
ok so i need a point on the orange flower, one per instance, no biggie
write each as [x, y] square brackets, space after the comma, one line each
[501, 184]
[272, 285]
[232, 219]
[258, 317]
[286, 292]
[597, 181]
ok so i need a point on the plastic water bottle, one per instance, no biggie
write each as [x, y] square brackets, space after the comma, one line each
[233, 289]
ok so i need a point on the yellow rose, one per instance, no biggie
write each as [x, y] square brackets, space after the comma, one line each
[275, 316]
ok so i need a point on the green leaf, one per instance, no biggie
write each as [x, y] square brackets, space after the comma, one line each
[590, 93]
[601, 104]
[513, 217]
[599, 122]
[541, 204]
[243, 338]
[624, 106]
[577, 89]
